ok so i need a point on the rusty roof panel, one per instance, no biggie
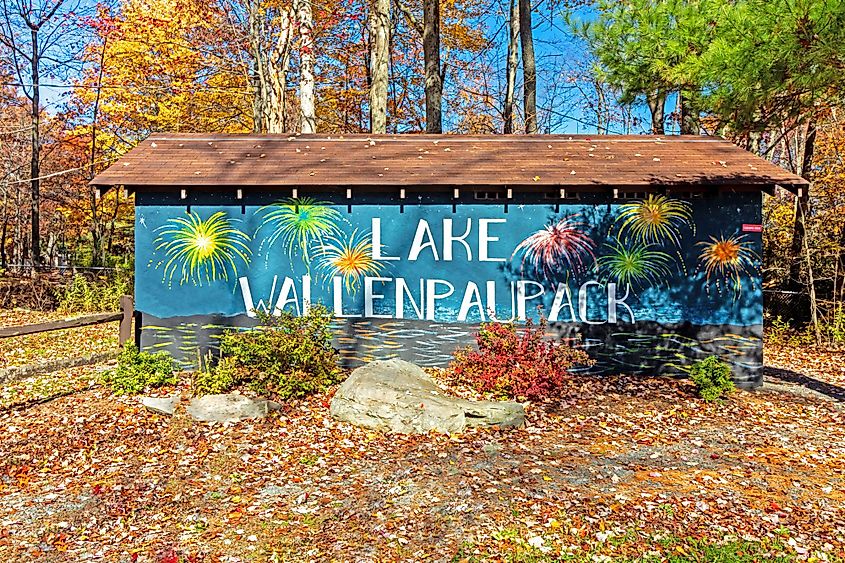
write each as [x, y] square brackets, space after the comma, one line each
[200, 160]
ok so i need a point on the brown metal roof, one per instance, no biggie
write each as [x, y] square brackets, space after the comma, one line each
[197, 160]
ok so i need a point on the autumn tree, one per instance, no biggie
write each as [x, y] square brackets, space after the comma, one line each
[40, 37]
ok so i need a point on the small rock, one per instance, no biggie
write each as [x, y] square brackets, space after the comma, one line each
[161, 405]
[229, 407]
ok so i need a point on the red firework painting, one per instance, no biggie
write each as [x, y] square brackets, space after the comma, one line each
[559, 245]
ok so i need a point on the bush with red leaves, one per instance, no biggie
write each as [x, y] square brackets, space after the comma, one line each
[516, 363]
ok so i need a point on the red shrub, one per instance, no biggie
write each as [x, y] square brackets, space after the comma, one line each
[516, 363]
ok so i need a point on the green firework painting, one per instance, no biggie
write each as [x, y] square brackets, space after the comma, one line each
[198, 250]
[350, 258]
[654, 220]
[299, 223]
[636, 265]
[725, 260]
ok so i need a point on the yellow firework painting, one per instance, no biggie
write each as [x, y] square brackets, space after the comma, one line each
[726, 259]
[200, 250]
[350, 258]
[655, 219]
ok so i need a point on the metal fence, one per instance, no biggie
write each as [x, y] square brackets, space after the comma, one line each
[792, 306]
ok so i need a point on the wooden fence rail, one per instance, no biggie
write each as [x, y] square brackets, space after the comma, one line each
[127, 312]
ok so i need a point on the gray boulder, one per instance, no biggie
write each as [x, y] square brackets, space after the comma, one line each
[229, 407]
[398, 396]
[162, 405]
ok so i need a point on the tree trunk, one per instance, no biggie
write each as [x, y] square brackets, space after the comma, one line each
[257, 98]
[97, 257]
[259, 101]
[689, 116]
[601, 110]
[512, 64]
[4, 231]
[529, 68]
[379, 64]
[433, 78]
[276, 66]
[656, 104]
[308, 121]
[35, 161]
[802, 207]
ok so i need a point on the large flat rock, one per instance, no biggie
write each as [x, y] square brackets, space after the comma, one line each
[398, 396]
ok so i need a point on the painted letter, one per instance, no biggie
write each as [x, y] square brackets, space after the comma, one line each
[484, 238]
[613, 302]
[337, 291]
[285, 298]
[369, 297]
[448, 239]
[582, 303]
[472, 298]
[562, 294]
[247, 295]
[522, 298]
[491, 302]
[423, 230]
[402, 289]
[306, 294]
[431, 296]
[377, 242]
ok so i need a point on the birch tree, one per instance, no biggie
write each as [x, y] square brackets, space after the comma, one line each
[379, 24]
[305, 19]
[270, 35]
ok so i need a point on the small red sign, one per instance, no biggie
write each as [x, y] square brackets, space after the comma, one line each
[752, 228]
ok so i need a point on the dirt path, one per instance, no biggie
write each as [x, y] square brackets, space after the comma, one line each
[614, 470]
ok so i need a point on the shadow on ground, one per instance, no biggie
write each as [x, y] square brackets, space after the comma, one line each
[835, 392]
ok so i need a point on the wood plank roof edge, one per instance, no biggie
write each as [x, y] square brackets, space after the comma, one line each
[199, 168]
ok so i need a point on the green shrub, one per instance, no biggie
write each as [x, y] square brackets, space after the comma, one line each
[777, 330]
[102, 294]
[211, 380]
[286, 356]
[138, 370]
[712, 378]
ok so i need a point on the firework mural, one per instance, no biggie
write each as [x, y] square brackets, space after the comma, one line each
[299, 223]
[654, 220]
[201, 250]
[556, 246]
[637, 265]
[726, 260]
[350, 257]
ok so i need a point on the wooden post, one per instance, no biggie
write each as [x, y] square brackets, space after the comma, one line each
[127, 306]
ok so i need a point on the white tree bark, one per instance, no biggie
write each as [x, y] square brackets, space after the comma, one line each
[379, 20]
[308, 117]
[513, 63]
[270, 35]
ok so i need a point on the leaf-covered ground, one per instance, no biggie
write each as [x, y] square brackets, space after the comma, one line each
[622, 469]
[55, 345]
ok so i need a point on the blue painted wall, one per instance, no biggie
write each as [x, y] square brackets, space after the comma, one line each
[595, 267]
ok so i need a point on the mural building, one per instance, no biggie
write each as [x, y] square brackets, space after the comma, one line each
[644, 284]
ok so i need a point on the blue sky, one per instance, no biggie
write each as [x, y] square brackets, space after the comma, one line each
[561, 104]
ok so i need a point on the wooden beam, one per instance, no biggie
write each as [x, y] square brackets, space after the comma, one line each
[10, 331]
[127, 307]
